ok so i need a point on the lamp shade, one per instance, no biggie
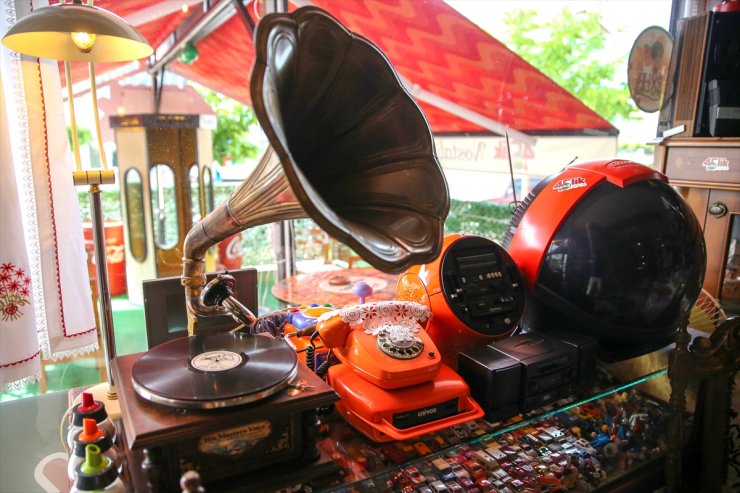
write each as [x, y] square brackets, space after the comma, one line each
[76, 33]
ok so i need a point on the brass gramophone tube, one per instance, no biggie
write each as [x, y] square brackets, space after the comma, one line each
[264, 197]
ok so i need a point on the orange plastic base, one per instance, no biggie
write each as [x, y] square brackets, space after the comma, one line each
[370, 408]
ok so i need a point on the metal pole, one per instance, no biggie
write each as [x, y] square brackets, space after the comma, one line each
[106, 310]
[94, 178]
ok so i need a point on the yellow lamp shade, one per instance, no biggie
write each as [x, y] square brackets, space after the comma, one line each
[76, 33]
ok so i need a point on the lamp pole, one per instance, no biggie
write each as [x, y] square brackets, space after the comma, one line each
[93, 179]
[72, 31]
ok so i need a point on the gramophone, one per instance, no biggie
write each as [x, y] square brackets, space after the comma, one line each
[350, 149]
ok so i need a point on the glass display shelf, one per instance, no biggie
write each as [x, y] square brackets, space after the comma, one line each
[33, 450]
[581, 443]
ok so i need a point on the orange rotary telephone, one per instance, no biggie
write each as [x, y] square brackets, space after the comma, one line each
[391, 379]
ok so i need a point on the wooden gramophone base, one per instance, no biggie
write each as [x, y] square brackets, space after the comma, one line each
[267, 444]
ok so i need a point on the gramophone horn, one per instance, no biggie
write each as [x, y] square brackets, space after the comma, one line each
[352, 151]
[355, 147]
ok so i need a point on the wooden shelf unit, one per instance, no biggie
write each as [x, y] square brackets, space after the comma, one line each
[707, 172]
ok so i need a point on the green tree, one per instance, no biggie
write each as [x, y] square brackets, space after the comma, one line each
[569, 49]
[234, 120]
[84, 136]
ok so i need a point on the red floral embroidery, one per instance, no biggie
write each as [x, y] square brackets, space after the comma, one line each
[14, 291]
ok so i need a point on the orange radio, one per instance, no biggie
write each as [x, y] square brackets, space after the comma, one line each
[474, 290]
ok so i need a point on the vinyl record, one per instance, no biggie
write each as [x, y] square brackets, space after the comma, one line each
[214, 371]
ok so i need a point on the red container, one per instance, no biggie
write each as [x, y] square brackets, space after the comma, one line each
[230, 253]
[114, 253]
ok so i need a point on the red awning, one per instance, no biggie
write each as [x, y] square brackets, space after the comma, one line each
[465, 80]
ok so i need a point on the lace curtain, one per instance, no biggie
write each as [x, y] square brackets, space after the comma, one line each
[45, 300]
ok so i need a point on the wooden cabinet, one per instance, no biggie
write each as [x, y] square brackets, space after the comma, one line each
[707, 174]
[722, 234]
[705, 162]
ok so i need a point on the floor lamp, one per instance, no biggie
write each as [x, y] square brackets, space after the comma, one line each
[76, 32]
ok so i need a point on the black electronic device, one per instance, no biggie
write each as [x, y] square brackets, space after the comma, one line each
[724, 107]
[588, 350]
[526, 371]
[494, 381]
[721, 67]
[549, 367]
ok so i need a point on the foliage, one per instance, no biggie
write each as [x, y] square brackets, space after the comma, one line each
[234, 120]
[110, 200]
[84, 136]
[256, 241]
[478, 218]
[646, 148]
[570, 50]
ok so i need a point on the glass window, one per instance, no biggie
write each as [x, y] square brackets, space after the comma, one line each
[164, 206]
[194, 179]
[135, 214]
[208, 189]
[473, 82]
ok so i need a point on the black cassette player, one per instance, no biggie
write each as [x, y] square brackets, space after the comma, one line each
[524, 372]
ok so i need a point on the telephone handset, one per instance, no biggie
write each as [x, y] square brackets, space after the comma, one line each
[384, 342]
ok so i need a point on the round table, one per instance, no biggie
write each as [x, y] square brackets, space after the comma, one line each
[335, 287]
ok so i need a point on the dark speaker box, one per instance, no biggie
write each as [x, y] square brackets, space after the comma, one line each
[588, 350]
[721, 63]
[494, 380]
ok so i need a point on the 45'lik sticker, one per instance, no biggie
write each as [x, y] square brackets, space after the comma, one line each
[569, 183]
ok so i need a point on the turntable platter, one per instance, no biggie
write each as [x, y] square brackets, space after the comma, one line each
[214, 371]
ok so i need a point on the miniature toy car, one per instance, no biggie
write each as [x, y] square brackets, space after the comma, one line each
[438, 487]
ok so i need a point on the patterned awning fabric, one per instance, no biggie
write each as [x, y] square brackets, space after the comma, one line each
[435, 49]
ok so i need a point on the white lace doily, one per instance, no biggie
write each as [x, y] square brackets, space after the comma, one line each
[399, 319]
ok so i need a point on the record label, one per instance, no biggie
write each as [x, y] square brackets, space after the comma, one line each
[216, 361]
[214, 371]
